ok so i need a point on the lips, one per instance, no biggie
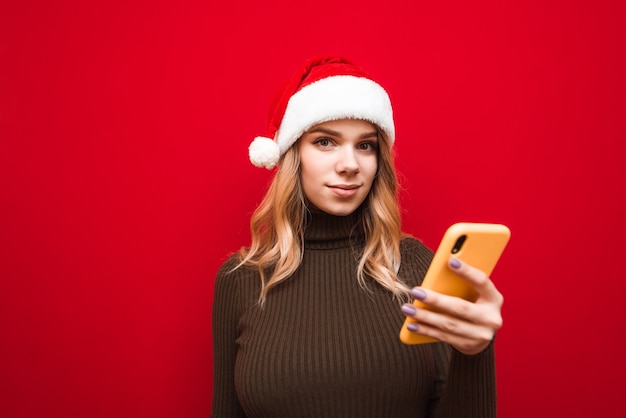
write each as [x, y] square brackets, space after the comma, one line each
[344, 190]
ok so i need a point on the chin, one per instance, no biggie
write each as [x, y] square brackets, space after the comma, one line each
[340, 211]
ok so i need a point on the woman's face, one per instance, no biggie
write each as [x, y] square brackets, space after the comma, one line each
[338, 163]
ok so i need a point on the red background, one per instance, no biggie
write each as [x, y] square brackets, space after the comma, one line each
[125, 183]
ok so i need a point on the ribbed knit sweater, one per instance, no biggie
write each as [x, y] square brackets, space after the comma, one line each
[322, 346]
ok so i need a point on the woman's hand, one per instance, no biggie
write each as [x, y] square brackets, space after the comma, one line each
[467, 326]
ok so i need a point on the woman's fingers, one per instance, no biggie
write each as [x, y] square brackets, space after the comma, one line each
[468, 326]
[481, 281]
[466, 336]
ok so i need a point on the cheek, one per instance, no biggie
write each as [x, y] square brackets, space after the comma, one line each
[305, 173]
[370, 169]
[308, 177]
[313, 166]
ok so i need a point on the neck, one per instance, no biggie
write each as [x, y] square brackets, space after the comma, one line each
[326, 231]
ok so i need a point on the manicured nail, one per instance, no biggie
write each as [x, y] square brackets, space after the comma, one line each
[418, 294]
[413, 327]
[409, 309]
[455, 263]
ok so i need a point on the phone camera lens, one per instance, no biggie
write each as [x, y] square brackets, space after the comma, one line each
[458, 244]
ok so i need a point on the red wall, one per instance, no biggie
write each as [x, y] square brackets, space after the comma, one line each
[124, 182]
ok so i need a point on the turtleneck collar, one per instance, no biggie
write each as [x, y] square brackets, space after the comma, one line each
[324, 231]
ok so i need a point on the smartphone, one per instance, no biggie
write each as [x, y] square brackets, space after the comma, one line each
[477, 244]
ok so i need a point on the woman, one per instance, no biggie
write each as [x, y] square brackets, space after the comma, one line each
[306, 320]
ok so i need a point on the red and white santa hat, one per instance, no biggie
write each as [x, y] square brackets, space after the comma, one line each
[325, 88]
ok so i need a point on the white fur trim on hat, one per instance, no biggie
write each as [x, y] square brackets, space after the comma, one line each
[333, 98]
[264, 152]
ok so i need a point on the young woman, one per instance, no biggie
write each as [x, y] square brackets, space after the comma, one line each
[306, 319]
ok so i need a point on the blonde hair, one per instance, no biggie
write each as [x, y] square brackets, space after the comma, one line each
[277, 227]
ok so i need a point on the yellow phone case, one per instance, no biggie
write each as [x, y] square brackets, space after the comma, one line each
[481, 247]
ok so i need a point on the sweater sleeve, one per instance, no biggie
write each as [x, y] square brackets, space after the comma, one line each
[470, 383]
[464, 386]
[225, 319]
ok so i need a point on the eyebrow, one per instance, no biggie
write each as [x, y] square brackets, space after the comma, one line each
[373, 134]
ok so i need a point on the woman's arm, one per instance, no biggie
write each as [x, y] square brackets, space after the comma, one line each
[225, 319]
[469, 328]
[470, 386]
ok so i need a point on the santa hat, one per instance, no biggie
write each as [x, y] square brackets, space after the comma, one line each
[325, 88]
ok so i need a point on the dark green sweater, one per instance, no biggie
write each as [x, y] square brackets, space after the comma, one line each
[324, 347]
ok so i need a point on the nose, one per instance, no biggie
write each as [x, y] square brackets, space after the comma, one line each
[347, 161]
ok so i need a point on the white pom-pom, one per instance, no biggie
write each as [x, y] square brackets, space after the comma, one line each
[264, 152]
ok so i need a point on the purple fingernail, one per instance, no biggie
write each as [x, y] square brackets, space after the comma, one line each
[418, 294]
[409, 309]
[413, 327]
[455, 263]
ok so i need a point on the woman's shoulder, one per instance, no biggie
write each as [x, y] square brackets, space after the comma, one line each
[411, 245]
[232, 274]
[236, 287]
[229, 264]
[415, 259]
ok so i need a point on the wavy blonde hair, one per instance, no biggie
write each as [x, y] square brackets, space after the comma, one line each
[277, 227]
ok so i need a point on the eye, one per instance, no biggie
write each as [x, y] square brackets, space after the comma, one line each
[323, 142]
[368, 146]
